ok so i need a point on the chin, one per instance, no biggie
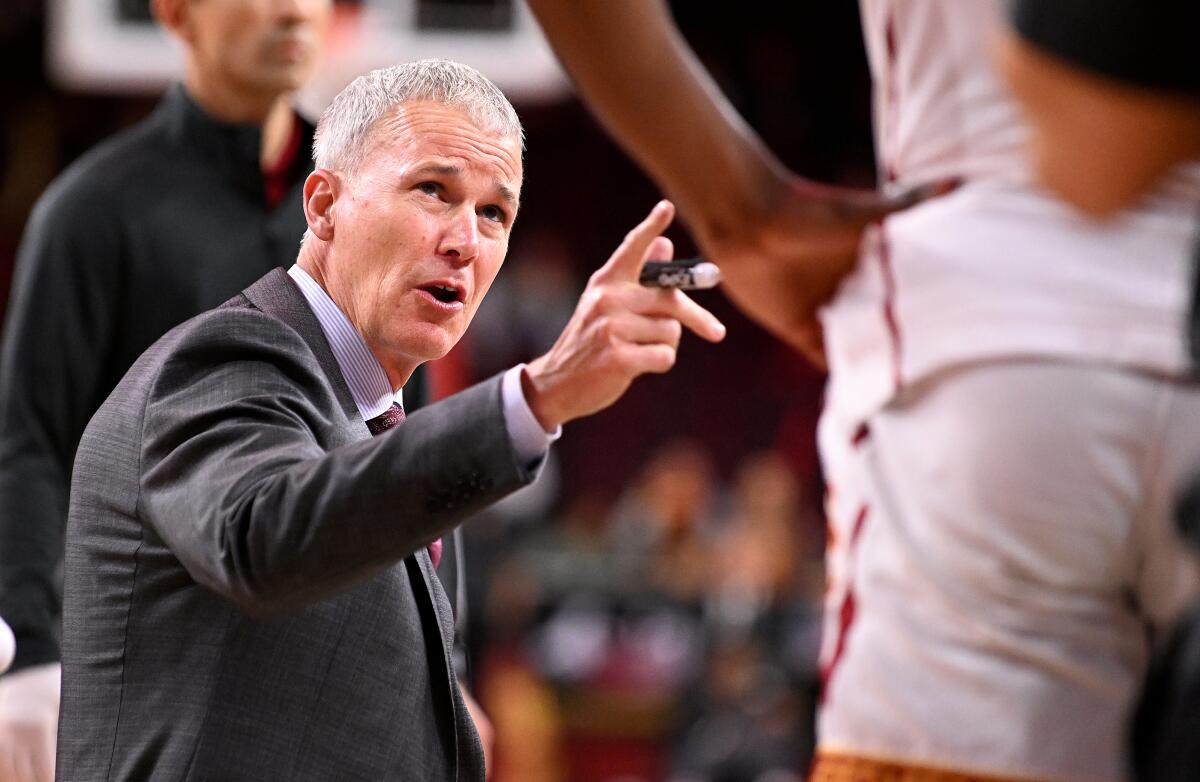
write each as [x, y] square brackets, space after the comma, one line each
[406, 327]
[430, 347]
[284, 78]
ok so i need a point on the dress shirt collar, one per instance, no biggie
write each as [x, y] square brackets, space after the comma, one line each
[362, 371]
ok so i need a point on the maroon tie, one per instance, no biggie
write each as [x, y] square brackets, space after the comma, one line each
[392, 417]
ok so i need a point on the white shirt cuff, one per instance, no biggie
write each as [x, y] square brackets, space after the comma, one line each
[529, 439]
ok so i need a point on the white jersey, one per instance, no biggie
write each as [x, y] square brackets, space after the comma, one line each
[998, 269]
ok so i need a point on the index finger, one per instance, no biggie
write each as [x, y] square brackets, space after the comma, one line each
[626, 262]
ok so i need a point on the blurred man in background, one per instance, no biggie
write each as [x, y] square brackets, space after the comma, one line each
[163, 221]
[1009, 415]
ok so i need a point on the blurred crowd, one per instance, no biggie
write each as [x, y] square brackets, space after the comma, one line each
[671, 634]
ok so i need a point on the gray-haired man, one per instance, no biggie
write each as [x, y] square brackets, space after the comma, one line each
[249, 593]
[134, 220]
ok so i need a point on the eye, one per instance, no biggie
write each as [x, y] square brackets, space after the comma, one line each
[493, 213]
[429, 188]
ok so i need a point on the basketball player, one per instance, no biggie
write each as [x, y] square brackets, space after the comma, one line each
[1008, 414]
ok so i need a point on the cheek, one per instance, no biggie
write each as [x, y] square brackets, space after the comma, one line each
[249, 38]
[319, 13]
[391, 287]
[395, 229]
[236, 52]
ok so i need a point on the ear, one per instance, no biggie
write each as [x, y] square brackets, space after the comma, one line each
[321, 191]
[172, 15]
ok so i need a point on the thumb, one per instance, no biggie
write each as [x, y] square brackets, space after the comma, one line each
[868, 206]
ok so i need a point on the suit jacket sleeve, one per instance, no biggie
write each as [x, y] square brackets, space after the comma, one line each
[55, 345]
[242, 481]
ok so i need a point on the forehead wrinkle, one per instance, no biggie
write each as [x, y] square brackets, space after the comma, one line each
[440, 137]
[413, 118]
[487, 153]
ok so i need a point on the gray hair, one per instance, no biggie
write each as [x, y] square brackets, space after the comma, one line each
[345, 126]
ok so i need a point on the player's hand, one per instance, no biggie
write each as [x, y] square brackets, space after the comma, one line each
[620, 330]
[782, 261]
[29, 723]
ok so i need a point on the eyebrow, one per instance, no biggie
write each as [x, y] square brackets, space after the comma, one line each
[445, 169]
[508, 195]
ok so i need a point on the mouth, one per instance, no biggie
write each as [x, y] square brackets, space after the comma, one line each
[291, 49]
[444, 292]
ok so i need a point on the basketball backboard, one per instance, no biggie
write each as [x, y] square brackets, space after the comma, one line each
[114, 46]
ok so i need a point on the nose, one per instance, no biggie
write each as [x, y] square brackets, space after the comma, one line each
[295, 11]
[288, 12]
[460, 236]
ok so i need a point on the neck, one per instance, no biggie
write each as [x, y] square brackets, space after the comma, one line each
[271, 111]
[397, 377]
[312, 260]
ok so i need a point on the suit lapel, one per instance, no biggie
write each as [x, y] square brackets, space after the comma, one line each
[276, 295]
[433, 588]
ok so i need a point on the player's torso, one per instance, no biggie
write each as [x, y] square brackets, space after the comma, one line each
[999, 268]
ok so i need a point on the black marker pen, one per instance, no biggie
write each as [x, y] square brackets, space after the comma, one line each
[687, 274]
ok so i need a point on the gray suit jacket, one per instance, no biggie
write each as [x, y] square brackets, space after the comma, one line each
[247, 592]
